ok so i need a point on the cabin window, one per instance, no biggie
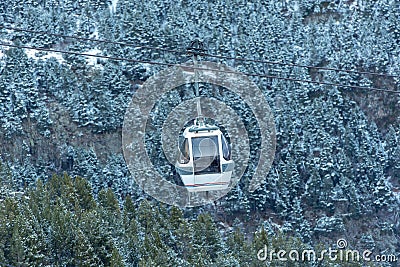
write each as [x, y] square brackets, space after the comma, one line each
[184, 155]
[226, 150]
[206, 158]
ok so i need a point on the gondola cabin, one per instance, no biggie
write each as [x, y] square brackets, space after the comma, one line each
[204, 163]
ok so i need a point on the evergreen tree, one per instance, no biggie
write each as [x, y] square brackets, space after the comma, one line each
[17, 254]
[205, 236]
[83, 252]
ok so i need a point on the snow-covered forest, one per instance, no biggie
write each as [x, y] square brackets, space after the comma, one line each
[67, 197]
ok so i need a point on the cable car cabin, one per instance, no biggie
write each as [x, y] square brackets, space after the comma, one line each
[205, 162]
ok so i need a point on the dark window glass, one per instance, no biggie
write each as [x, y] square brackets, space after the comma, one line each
[226, 150]
[184, 149]
[206, 155]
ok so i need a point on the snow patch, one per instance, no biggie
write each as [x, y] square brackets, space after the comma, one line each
[92, 60]
[95, 35]
[397, 196]
[3, 49]
[113, 6]
[31, 53]
[57, 56]
[296, 7]
[146, 66]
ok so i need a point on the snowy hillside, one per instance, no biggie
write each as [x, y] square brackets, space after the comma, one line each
[336, 172]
